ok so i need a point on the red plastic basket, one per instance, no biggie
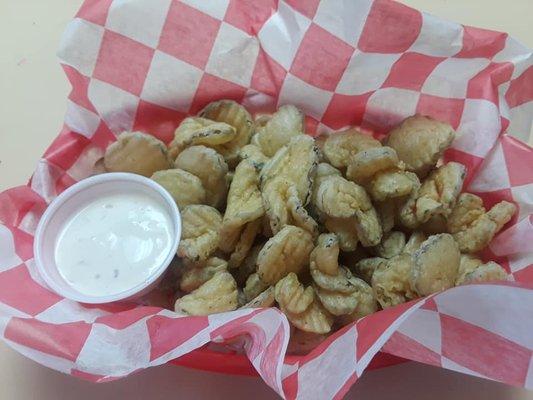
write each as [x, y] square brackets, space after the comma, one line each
[205, 359]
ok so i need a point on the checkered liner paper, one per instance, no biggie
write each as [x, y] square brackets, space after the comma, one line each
[146, 64]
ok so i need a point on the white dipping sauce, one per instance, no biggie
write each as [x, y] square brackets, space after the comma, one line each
[113, 244]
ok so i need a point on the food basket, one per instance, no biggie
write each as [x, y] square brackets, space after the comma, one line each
[147, 64]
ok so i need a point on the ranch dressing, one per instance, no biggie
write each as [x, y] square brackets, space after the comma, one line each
[113, 244]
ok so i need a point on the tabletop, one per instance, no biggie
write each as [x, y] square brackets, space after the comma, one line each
[34, 93]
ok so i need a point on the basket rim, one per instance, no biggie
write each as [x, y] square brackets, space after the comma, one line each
[205, 359]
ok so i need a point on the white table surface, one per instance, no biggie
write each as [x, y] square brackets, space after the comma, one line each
[31, 118]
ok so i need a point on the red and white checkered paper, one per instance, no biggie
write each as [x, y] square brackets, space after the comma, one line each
[146, 64]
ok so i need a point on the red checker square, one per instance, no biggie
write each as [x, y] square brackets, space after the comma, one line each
[504, 122]
[495, 196]
[345, 110]
[63, 182]
[524, 275]
[430, 305]
[60, 340]
[94, 11]
[372, 327]
[519, 161]
[311, 125]
[307, 7]
[268, 75]
[402, 345]
[66, 149]
[484, 85]
[346, 386]
[15, 204]
[484, 352]
[123, 62]
[167, 333]
[80, 87]
[390, 27]
[249, 16]
[124, 319]
[156, 120]
[36, 298]
[188, 34]
[272, 352]
[411, 70]
[441, 108]
[521, 89]
[479, 42]
[103, 136]
[23, 242]
[213, 88]
[290, 385]
[319, 45]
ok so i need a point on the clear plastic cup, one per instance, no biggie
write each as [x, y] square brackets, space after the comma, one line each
[78, 196]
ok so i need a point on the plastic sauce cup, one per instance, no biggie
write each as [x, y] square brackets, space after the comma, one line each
[75, 198]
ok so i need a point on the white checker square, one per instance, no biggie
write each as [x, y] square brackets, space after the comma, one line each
[44, 179]
[66, 311]
[388, 107]
[81, 120]
[523, 195]
[270, 329]
[8, 254]
[80, 45]
[479, 127]
[115, 106]
[423, 326]
[220, 319]
[30, 221]
[282, 34]
[521, 121]
[338, 359]
[310, 99]
[115, 352]
[353, 16]
[170, 82]
[495, 308]
[84, 164]
[515, 52]
[492, 175]
[323, 129]
[6, 310]
[450, 78]
[257, 102]
[233, 55]
[451, 365]
[140, 20]
[365, 72]
[529, 378]
[520, 261]
[514, 243]
[520, 66]
[438, 37]
[215, 8]
[34, 273]
[502, 103]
